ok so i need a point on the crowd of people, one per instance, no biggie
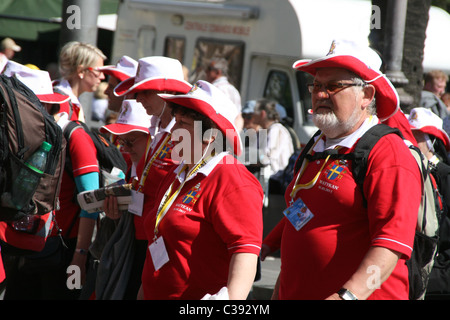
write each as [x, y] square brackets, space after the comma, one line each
[194, 227]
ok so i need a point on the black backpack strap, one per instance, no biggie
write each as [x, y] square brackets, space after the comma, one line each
[304, 152]
[362, 151]
[67, 132]
[359, 157]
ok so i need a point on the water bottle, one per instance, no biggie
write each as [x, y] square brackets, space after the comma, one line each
[27, 181]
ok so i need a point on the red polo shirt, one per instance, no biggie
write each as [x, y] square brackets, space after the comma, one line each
[319, 258]
[217, 213]
[161, 166]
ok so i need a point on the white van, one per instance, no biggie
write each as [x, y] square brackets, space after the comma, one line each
[260, 38]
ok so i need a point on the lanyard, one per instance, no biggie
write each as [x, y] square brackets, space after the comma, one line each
[310, 184]
[170, 197]
[152, 159]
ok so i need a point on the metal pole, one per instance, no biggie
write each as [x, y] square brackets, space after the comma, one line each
[79, 23]
[393, 50]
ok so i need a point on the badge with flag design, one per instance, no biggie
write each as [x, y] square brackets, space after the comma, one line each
[192, 195]
[335, 172]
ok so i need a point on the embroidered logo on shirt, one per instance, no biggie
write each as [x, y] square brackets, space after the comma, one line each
[335, 172]
[190, 198]
[166, 150]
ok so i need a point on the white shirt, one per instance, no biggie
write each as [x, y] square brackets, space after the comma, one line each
[226, 87]
[347, 141]
[279, 147]
[65, 87]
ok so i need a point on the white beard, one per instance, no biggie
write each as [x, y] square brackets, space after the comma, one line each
[332, 127]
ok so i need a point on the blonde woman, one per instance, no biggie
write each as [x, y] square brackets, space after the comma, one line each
[78, 65]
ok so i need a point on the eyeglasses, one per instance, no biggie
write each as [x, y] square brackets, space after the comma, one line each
[95, 72]
[129, 143]
[331, 87]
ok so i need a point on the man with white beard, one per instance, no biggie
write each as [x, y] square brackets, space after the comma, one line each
[332, 245]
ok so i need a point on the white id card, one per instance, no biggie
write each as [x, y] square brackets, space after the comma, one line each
[298, 214]
[137, 203]
[159, 253]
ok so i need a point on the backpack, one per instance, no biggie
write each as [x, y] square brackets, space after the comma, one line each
[108, 155]
[430, 211]
[24, 125]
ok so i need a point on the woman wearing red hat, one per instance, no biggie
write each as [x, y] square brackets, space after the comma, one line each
[155, 75]
[119, 271]
[202, 240]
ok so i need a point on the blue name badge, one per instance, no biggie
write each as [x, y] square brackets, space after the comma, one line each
[298, 214]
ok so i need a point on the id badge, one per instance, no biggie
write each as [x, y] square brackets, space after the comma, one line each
[298, 214]
[137, 203]
[159, 253]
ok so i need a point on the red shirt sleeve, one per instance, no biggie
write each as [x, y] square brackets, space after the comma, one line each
[393, 185]
[83, 153]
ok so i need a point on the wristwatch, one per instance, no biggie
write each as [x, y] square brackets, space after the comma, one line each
[346, 294]
[81, 251]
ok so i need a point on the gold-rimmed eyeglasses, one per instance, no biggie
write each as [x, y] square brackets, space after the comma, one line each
[331, 87]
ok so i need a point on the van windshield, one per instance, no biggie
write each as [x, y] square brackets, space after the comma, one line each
[303, 79]
[207, 49]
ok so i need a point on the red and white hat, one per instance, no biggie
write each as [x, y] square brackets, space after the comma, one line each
[132, 117]
[124, 69]
[426, 121]
[211, 102]
[37, 80]
[365, 63]
[155, 73]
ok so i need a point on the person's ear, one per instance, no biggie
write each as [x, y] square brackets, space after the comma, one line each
[80, 71]
[210, 136]
[368, 95]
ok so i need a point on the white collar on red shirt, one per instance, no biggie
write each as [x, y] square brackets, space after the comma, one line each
[205, 170]
[349, 140]
[65, 87]
[158, 133]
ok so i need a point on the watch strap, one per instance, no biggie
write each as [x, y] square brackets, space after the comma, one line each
[346, 294]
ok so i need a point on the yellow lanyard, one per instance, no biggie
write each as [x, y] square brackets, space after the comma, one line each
[150, 163]
[168, 199]
[310, 184]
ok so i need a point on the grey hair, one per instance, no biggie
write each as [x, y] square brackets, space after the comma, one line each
[372, 108]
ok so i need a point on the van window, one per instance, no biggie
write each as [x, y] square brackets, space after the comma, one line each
[278, 88]
[174, 48]
[206, 49]
[146, 41]
[303, 79]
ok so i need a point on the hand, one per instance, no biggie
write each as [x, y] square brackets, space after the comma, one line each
[265, 251]
[80, 261]
[334, 296]
[111, 208]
